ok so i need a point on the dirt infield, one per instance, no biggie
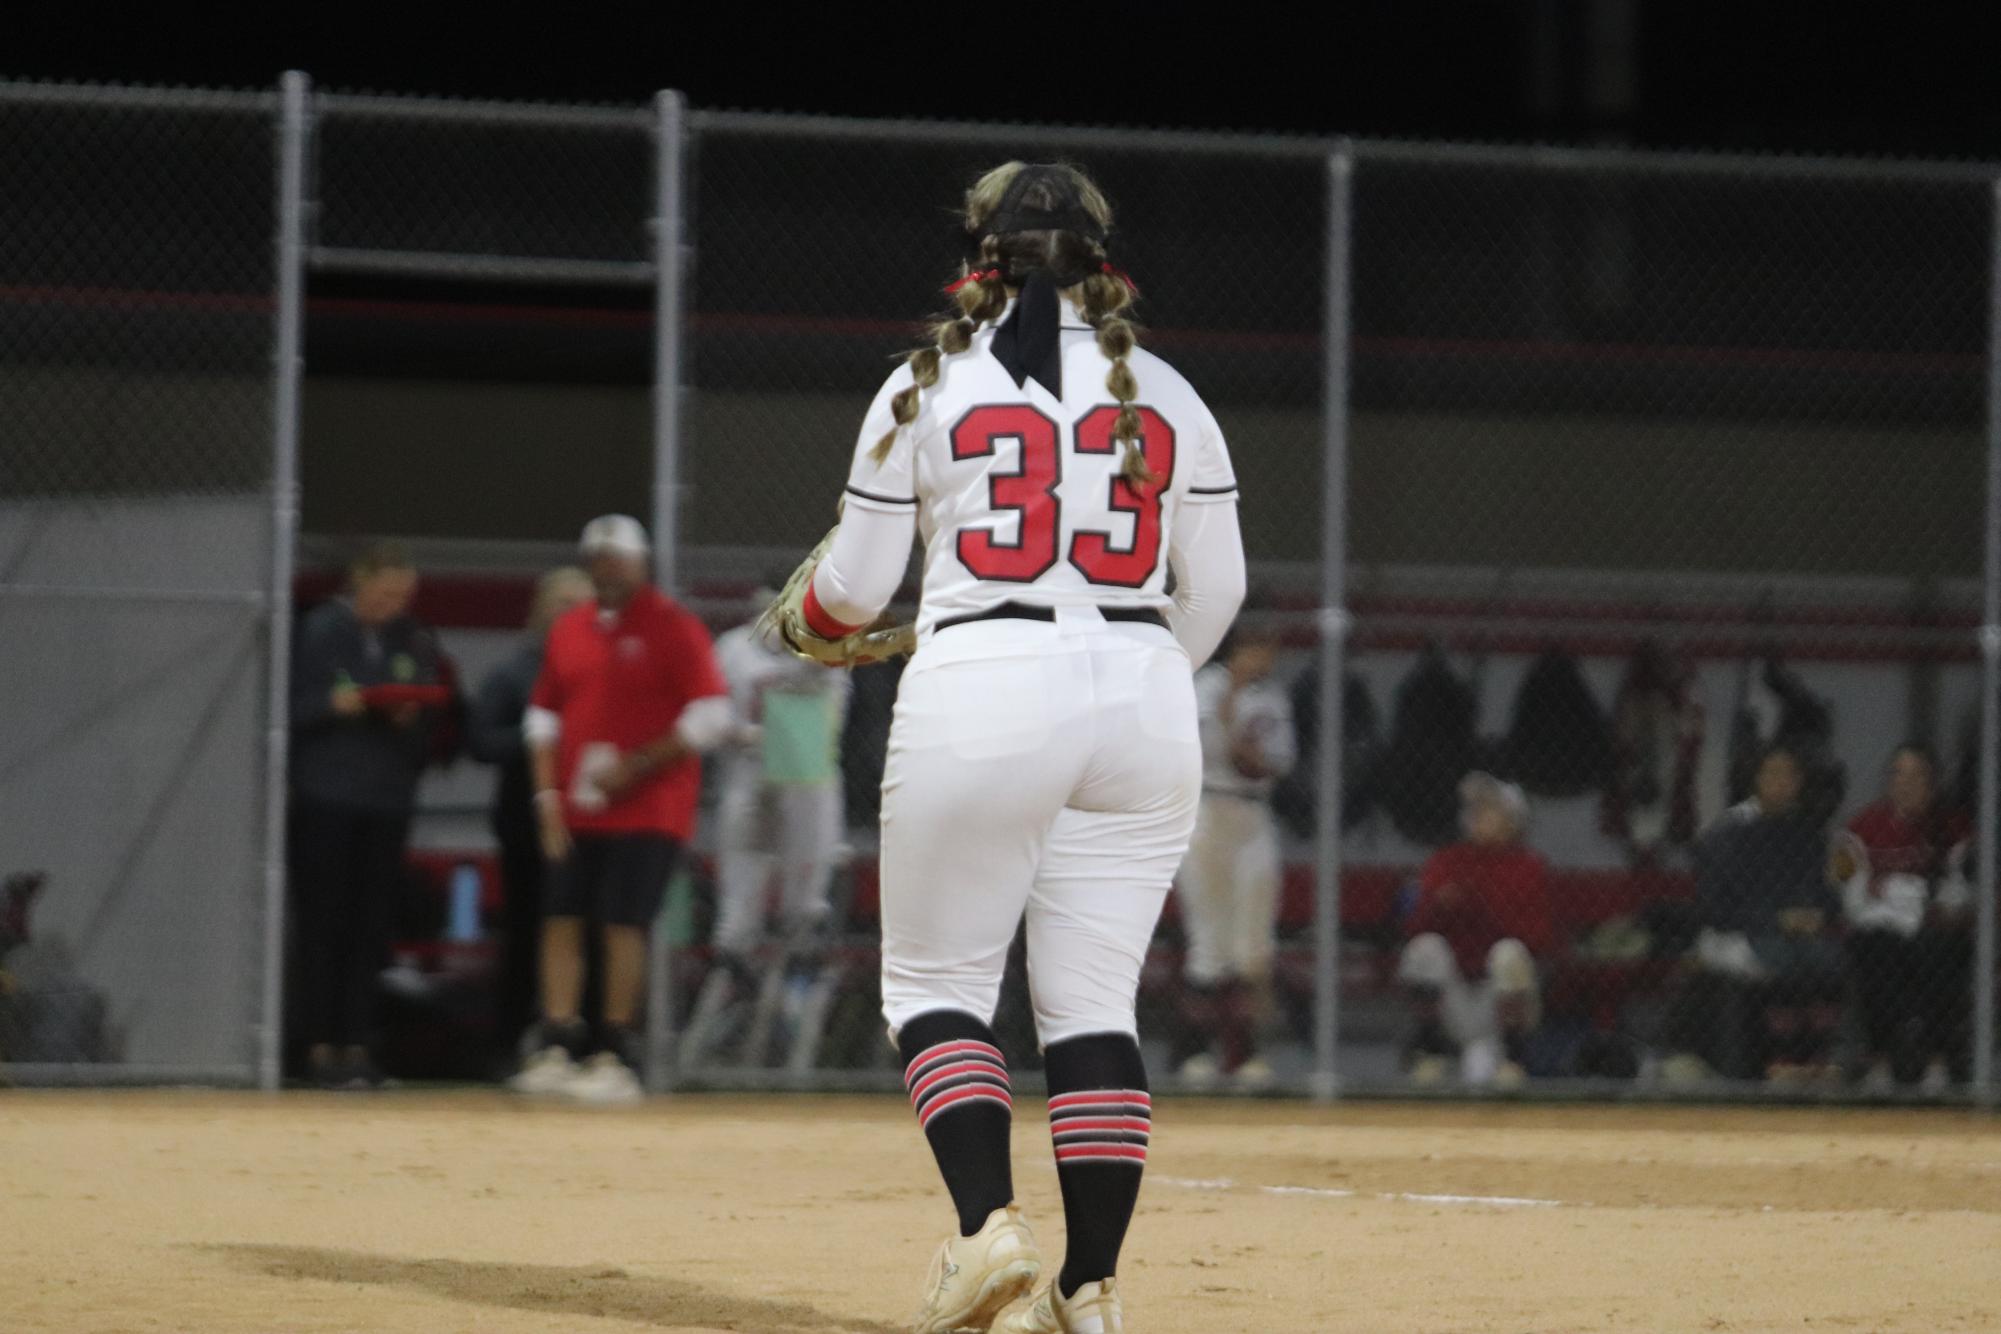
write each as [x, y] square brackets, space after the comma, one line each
[469, 1211]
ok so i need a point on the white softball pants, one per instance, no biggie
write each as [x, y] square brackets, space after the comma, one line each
[1043, 769]
[1470, 1008]
[792, 829]
[1228, 890]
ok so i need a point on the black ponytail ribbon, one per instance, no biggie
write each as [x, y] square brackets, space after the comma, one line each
[1027, 343]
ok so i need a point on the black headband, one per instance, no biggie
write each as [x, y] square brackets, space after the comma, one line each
[1067, 215]
[1027, 343]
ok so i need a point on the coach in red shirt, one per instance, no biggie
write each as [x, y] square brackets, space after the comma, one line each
[628, 699]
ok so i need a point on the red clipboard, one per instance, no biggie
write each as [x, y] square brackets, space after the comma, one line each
[397, 696]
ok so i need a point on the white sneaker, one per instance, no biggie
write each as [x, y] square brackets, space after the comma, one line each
[1429, 1070]
[1510, 1077]
[973, 1279]
[1254, 1075]
[1199, 1072]
[1478, 1060]
[1878, 1079]
[606, 1081]
[1685, 1069]
[548, 1072]
[1092, 1309]
[1937, 1079]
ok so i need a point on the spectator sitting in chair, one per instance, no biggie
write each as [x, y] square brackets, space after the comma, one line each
[1481, 920]
[1900, 864]
[1763, 962]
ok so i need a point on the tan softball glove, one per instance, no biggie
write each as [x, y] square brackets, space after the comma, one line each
[786, 616]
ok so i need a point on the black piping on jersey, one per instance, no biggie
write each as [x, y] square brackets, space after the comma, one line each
[880, 500]
[1021, 527]
[1139, 515]
[1212, 490]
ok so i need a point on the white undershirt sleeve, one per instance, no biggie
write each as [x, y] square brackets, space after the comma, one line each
[1206, 552]
[862, 570]
[541, 726]
[706, 723]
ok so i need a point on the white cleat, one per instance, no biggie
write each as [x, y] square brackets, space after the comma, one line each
[1092, 1309]
[973, 1279]
[548, 1072]
[1255, 1076]
[1429, 1071]
[1200, 1073]
[606, 1081]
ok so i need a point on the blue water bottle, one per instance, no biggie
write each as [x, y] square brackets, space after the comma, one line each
[463, 922]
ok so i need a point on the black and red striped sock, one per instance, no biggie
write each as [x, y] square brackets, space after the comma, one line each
[1101, 1119]
[958, 1083]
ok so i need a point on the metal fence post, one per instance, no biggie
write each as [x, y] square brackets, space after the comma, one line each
[287, 365]
[1333, 627]
[670, 110]
[1990, 691]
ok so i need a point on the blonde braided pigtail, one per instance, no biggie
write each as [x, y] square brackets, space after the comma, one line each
[982, 297]
[980, 300]
[1101, 297]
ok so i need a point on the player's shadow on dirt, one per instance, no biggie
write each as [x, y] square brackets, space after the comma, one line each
[579, 1291]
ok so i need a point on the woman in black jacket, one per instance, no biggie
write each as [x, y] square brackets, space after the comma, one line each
[494, 736]
[366, 690]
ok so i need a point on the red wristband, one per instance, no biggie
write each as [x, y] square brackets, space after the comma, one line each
[819, 622]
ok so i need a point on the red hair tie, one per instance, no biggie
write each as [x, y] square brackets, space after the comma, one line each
[977, 276]
[1121, 275]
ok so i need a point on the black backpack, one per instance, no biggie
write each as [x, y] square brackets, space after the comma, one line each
[1294, 797]
[1559, 743]
[1431, 747]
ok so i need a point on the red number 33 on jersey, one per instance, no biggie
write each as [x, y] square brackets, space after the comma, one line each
[1029, 492]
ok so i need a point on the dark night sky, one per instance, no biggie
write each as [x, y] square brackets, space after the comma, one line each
[1828, 76]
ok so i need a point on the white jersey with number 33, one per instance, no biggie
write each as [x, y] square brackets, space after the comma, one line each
[1039, 770]
[1019, 496]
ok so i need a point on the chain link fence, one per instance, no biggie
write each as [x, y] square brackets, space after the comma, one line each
[819, 251]
[482, 293]
[1650, 487]
[1667, 512]
[137, 282]
[441, 188]
[482, 336]
[1661, 475]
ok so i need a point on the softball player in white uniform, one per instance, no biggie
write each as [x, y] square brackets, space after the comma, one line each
[1229, 887]
[1045, 757]
[779, 816]
[780, 804]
